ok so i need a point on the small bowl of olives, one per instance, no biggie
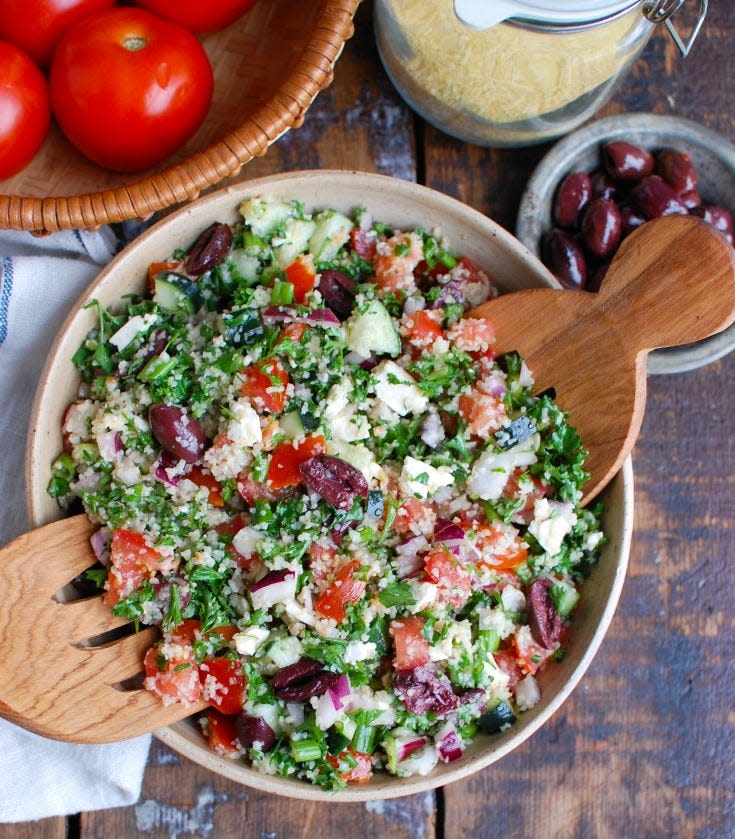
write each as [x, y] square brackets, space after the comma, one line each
[603, 181]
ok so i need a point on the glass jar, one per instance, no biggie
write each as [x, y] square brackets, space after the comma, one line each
[531, 77]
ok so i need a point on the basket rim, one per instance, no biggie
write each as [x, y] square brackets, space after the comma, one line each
[185, 180]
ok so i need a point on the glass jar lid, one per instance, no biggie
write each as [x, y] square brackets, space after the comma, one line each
[482, 14]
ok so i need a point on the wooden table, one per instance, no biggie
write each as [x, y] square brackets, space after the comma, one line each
[644, 748]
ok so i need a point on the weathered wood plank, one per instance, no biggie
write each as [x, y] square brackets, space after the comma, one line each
[181, 799]
[54, 828]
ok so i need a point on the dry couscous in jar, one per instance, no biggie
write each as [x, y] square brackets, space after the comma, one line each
[514, 72]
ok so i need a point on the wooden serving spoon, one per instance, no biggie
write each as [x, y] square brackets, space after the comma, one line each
[672, 282]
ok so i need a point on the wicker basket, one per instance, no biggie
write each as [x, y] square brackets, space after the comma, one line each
[268, 68]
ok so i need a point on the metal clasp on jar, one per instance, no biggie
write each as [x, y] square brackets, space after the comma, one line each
[662, 11]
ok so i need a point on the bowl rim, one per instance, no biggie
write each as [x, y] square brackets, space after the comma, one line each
[184, 181]
[668, 360]
[382, 786]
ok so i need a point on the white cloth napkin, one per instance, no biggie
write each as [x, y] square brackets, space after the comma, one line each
[40, 278]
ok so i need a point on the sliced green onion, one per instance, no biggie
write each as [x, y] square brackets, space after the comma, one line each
[303, 750]
[282, 293]
[363, 740]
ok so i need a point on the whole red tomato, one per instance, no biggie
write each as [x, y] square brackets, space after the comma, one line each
[199, 15]
[128, 88]
[36, 25]
[24, 109]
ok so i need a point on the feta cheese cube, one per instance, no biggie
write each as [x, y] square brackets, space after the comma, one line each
[127, 332]
[491, 470]
[398, 389]
[248, 641]
[551, 523]
[422, 479]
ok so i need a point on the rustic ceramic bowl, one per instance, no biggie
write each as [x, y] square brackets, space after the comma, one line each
[714, 159]
[405, 205]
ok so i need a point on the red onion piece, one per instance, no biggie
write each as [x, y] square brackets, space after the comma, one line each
[338, 691]
[110, 445]
[448, 743]
[406, 746]
[275, 587]
[100, 542]
[447, 531]
[163, 466]
[281, 314]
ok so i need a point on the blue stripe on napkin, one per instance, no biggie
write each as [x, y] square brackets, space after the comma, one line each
[6, 286]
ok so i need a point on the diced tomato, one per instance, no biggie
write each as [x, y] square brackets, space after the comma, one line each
[364, 243]
[221, 732]
[232, 525]
[294, 331]
[530, 655]
[223, 684]
[174, 679]
[230, 528]
[283, 469]
[302, 277]
[472, 272]
[414, 516]
[156, 268]
[359, 773]
[265, 383]
[508, 663]
[425, 327]
[531, 489]
[501, 546]
[132, 560]
[189, 631]
[411, 648]
[452, 579]
[253, 491]
[483, 412]
[197, 475]
[321, 562]
[472, 334]
[345, 590]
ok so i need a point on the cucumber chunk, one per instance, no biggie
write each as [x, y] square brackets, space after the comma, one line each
[175, 292]
[373, 331]
[263, 215]
[331, 231]
[497, 718]
[295, 241]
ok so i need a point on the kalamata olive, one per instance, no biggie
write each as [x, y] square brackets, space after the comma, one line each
[601, 227]
[677, 169]
[565, 259]
[718, 217]
[299, 671]
[602, 186]
[654, 198]
[209, 249]
[338, 291]
[630, 220]
[596, 276]
[424, 689]
[252, 730]
[177, 432]
[574, 193]
[337, 481]
[626, 162]
[543, 619]
[691, 199]
[300, 681]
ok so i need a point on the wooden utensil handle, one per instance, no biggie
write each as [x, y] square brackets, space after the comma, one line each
[675, 287]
